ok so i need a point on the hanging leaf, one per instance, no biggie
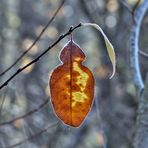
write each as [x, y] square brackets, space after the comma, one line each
[109, 46]
[72, 86]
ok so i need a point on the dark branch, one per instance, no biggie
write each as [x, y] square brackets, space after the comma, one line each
[86, 10]
[134, 10]
[131, 10]
[35, 41]
[27, 114]
[42, 54]
[135, 7]
[126, 6]
[33, 136]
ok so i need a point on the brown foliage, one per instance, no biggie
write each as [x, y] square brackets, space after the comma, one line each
[72, 86]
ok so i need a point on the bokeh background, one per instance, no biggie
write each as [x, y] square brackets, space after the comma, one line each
[111, 121]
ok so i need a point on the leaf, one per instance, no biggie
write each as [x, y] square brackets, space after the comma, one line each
[109, 46]
[72, 86]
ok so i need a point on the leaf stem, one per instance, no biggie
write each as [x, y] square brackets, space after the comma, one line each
[109, 46]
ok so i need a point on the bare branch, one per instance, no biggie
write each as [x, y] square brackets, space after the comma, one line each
[141, 132]
[33, 136]
[134, 49]
[136, 6]
[143, 53]
[35, 41]
[131, 10]
[27, 114]
[138, 12]
[42, 54]
[126, 5]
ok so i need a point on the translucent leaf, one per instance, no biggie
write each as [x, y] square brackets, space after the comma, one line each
[72, 86]
[109, 46]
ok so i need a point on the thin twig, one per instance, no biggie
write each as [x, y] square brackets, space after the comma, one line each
[135, 7]
[131, 10]
[126, 5]
[27, 114]
[143, 53]
[42, 54]
[134, 49]
[32, 136]
[35, 41]
[86, 10]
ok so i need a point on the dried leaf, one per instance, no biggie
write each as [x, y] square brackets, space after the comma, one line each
[72, 86]
[109, 46]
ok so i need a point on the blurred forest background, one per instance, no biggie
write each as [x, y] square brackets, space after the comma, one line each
[111, 121]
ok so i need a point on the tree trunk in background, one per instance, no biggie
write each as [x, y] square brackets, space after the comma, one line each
[141, 135]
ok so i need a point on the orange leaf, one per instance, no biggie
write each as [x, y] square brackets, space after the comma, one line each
[72, 86]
